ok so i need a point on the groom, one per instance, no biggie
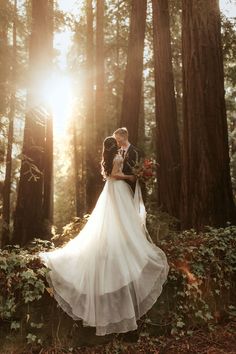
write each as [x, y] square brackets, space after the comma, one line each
[129, 152]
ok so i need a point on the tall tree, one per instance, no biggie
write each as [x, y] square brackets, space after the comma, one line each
[117, 61]
[206, 186]
[141, 127]
[90, 114]
[78, 164]
[29, 213]
[168, 147]
[7, 181]
[116, 29]
[101, 126]
[134, 70]
[48, 155]
[4, 54]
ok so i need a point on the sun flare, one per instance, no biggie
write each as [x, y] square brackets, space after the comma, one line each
[57, 93]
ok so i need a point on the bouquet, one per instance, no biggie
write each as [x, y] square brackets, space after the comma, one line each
[146, 170]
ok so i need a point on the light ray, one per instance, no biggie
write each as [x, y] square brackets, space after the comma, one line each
[57, 93]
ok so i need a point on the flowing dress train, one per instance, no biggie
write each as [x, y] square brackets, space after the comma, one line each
[110, 274]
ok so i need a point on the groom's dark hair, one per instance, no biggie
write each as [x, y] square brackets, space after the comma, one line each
[121, 131]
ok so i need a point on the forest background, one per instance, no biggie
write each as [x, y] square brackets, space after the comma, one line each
[71, 72]
[85, 72]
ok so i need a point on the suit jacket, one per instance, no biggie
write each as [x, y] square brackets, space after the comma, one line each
[133, 156]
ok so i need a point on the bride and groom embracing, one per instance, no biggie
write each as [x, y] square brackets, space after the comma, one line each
[110, 274]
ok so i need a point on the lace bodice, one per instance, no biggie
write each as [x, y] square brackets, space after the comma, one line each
[117, 165]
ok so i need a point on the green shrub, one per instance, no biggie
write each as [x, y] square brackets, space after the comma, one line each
[200, 290]
[202, 280]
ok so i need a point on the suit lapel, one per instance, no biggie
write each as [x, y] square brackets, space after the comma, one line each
[127, 152]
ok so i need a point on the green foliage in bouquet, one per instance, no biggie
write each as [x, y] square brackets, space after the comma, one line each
[146, 170]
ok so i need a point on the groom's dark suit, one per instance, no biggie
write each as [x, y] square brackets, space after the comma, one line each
[133, 156]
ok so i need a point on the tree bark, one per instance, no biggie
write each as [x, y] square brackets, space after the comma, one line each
[168, 147]
[4, 57]
[90, 152]
[141, 127]
[7, 181]
[48, 167]
[77, 152]
[206, 186]
[29, 214]
[134, 70]
[100, 119]
[118, 71]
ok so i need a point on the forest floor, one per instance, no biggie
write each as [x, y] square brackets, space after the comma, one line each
[221, 340]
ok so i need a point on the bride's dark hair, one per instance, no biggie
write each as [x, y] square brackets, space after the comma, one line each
[110, 149]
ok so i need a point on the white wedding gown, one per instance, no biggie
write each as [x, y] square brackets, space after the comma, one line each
[109, 275]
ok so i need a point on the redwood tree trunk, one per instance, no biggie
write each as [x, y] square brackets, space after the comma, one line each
[168, 147]
[141, 127]
[77, 167]
[4, 57]
[29, 213]
[7, 181]
[101, 124]
[134, 70]
[91, 159]
[48, 166]
[206, 186]
[118, 71]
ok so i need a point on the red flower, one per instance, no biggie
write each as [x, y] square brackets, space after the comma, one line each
[145, 170]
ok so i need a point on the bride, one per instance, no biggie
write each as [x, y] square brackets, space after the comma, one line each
[110, 274]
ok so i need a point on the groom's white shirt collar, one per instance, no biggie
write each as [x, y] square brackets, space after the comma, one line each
[125, 149]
